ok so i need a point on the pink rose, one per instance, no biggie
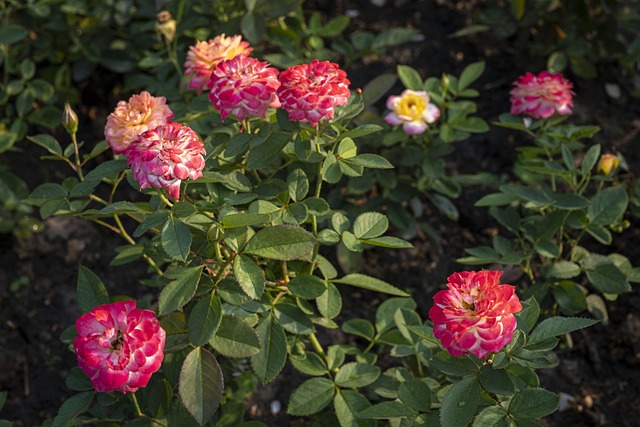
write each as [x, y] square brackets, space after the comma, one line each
[412, 110]
[541, 96]
[166, 156]
[309, 92]
[119, 346]
[206, 55]
[475, 314]
[141, 113]
[244, 86]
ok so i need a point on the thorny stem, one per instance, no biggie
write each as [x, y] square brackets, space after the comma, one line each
[223, 268]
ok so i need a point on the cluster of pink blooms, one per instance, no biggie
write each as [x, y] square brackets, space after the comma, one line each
[119, 346]
[204, 56]
[243, 86]
[475, 314]
[542, 95]
[412, 110]
[161, 153]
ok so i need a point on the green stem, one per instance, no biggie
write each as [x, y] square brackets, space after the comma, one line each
[130, 240]
[134, 400]
[163, 198]
[76, 152]
[317, 346]
[223, 268]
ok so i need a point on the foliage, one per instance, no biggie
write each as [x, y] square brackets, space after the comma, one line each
[580, 35]
[554, 212]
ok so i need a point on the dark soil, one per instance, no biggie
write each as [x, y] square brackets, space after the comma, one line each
[599, 375]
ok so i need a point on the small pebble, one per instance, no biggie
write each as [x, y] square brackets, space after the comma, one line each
[276, 406]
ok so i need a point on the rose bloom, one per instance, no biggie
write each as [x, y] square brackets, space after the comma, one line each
[475, 314]
[541, 96]
[166, 156]
[310, 92]
[412, 110]
[206, 55]
[141, 113]
[244, 86]
[119, 346]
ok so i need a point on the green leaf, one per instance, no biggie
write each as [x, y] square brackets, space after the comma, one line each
[533, 403]
[608, 206]
[298, 185]
[330, 302]
[569, 296]
[201, 384]
[311, 397]
[347, 404]
[416, 394]
[262, 155]
[369, 225]
[361, 130]
[180, 290]
[564, 270]
[47, 142]
[205, 319]
[269, 362]
[600, 233]
[460, 403]
[249, 275]
[12, 33]
[354, 375]
[235, 220]
[571, 202]
[72, 407]
[176, 239]
[388, 242]
[235, 338]
[360, 327]
[347, 149]
[91, 291]
[528, 316]
[410, 78]
[554, 326]
[495, 380]
[369, 160]
[293, 319]
[604, 275]
[377, 88]
[371, 283]
[307, 286]
[471, 125]
[334, 27]
[386, 411]
[331, 172]
[470, 74]
[496, 199]
[590, 159]
[281, 242]
[492, 416]
[76, 380]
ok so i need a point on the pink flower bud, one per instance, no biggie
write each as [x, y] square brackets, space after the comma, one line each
[309, 92]
[244, 86]
[206, 55]
[412, 110]
[541, 96]
[475, 314]
[119, 346]
[166, 156]
[141, 113]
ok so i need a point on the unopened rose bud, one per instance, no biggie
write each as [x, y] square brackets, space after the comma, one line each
[166, 26]
[608, 163]
[69, 119]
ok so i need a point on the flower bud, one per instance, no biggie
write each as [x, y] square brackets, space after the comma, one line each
[166, 26]
[69, 119]
[608, 163]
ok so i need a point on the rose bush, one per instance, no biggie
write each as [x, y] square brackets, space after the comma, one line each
[241, 265]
